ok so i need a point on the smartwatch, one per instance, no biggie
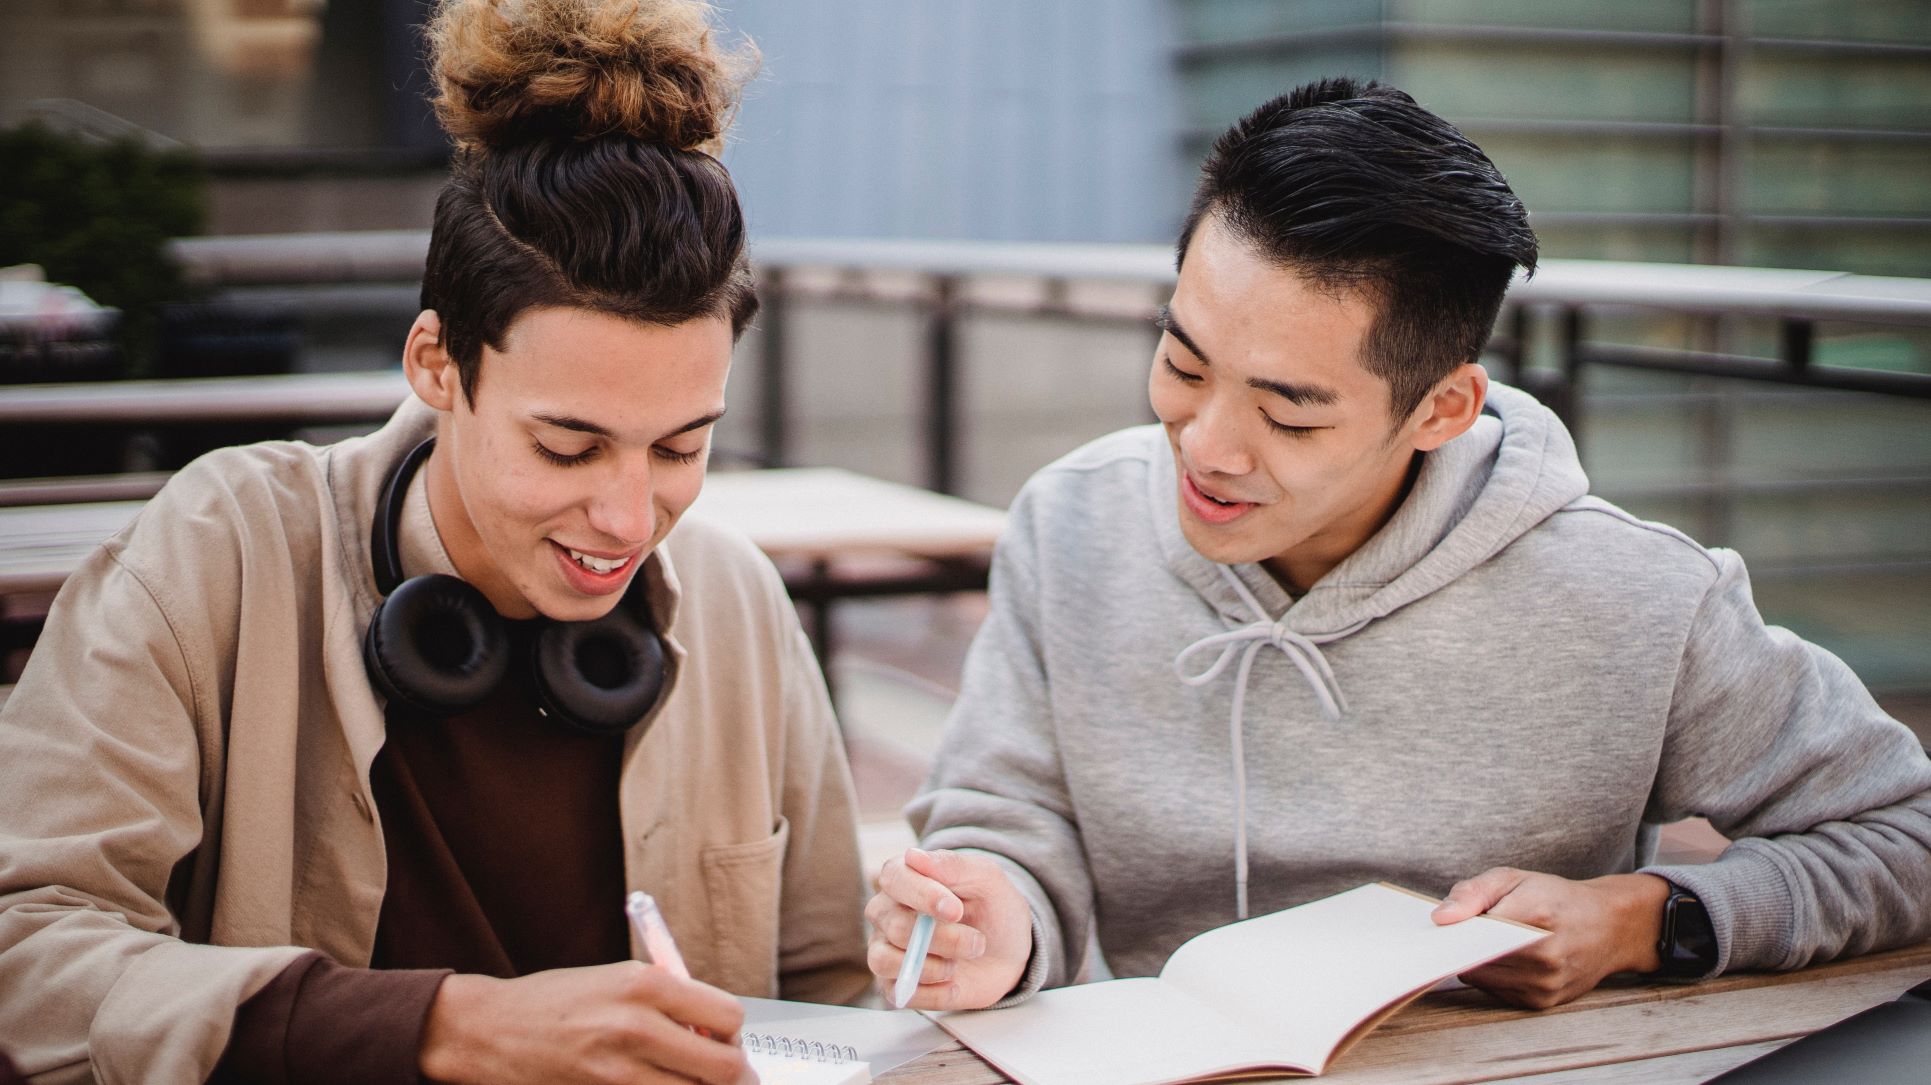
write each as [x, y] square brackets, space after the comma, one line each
[1687, 946]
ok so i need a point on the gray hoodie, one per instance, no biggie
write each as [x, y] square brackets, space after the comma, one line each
[1509, 673]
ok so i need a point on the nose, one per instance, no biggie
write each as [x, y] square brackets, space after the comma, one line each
[623, 508]
[1212, 442]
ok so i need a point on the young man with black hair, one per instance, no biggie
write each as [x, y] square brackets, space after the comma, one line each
[1349, 613]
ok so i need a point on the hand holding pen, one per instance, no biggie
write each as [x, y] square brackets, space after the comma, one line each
[628, 1021]
[980, 931]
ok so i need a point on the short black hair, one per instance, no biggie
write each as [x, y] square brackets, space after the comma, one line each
[1354, 186]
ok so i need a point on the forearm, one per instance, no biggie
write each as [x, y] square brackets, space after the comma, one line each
[321, 1022]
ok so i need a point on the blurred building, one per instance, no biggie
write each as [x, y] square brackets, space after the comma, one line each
[1780, 133]
[211, 73]
[1791, 133]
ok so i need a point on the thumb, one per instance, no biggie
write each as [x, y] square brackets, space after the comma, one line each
[1477, 895]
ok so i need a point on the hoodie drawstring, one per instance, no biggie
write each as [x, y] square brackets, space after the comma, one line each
[1303, 650]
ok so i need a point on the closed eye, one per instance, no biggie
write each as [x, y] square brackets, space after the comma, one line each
[671, 455]
[1291, 431]
[1179, 373]
[561, 459]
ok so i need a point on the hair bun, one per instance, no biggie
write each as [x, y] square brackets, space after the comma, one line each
[513, 71]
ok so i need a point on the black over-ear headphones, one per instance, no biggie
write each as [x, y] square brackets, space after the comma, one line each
[436, 644]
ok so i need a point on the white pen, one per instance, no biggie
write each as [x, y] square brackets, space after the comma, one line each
[659, 946]
[654, 933]
[915, 950]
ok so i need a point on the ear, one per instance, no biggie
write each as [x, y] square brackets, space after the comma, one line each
[432, 373]
[1451, 408]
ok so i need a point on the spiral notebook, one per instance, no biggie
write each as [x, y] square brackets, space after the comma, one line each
[882, 1039]
[1280, 994]
[775, 1067]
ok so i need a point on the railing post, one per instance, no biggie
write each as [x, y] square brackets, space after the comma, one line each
[1799, 343]
[773, 423]
[1517, 356]
[941, 386]
[1568, 404]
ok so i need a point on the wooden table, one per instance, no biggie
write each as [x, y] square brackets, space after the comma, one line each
[1619, 1035]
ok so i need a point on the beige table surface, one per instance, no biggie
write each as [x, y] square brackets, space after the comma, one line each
[1652, 1034]
[818, 513]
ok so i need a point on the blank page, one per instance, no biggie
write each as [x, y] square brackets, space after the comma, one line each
[1305, 977]
[1123, 1032]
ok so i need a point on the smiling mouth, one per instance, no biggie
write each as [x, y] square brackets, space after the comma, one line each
[600, 566]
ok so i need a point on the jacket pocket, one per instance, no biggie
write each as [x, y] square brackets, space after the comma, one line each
[744, 882]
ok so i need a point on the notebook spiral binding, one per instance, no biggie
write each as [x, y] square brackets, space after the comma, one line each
[811, 1050]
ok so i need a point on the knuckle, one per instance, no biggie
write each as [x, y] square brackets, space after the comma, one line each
[636, 978]
[882, 957]
[951, 996]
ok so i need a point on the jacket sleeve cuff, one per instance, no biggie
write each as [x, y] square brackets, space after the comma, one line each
[322, 1022]
[1751, 905]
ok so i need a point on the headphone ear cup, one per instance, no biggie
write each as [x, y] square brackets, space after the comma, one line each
[436, 645]
[599, 676]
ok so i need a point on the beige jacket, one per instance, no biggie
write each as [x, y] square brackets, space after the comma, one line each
[184, 768]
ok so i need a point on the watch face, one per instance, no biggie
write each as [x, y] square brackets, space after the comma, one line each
[1688, 946]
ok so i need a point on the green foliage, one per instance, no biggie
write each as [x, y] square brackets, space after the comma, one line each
[99, 216]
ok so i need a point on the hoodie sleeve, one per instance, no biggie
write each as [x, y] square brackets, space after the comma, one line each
[997, 786]
[1777, 743]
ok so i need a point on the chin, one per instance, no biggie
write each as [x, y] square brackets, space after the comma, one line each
[1214, 546]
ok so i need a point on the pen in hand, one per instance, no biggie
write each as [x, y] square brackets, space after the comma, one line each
[915, 950]
[654, 933]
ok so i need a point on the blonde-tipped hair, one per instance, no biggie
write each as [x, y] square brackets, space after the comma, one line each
[510, 71]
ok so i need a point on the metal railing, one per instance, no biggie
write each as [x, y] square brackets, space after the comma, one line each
[951, 280]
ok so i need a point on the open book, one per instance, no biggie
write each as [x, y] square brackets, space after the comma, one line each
[1286, 992]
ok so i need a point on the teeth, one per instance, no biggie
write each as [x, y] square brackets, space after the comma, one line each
[598, 565]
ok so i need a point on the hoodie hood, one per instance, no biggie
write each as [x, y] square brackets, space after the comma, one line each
[1472, 497]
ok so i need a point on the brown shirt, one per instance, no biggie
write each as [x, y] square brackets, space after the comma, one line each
[504, 841]
[505, 858]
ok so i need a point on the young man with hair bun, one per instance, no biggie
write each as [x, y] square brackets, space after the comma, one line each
[1349, 614]
[338, 763]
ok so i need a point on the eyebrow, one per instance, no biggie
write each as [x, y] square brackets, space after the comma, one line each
[1301, 395]
[578, 425]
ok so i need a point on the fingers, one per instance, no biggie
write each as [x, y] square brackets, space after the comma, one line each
[671, 1047]
[946, 994]
[894, 922]
[687, 1002]
[1534, 989]
[968, 875]
[885, 959]
[916, 881]
[1477, 895]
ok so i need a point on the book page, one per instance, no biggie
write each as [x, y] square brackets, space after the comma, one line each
[1123, 1032]
[1305, 977]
